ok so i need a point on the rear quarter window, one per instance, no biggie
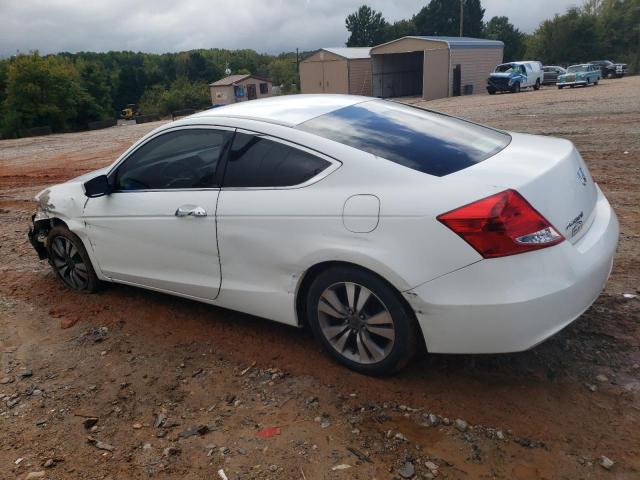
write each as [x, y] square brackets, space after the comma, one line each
[419, 139]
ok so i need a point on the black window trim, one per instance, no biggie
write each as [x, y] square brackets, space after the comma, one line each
[334, 164]
[219, 169]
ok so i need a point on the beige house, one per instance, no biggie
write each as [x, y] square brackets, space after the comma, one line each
[337, 70]
[433, 67]
[238, 88]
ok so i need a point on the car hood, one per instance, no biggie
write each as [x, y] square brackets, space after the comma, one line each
[502, 75]
[65, 200]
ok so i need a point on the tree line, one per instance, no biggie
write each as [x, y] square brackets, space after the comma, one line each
[599, 29]
[67, 91]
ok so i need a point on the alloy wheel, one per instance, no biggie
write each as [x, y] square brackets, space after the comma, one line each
[67, 261]
[356, 323]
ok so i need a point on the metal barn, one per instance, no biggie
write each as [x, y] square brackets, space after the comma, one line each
[433, 67]
[337, 70]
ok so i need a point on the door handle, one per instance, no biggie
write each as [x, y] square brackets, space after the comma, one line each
[191, 211]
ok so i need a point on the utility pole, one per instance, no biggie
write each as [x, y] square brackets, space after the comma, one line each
[461, 15]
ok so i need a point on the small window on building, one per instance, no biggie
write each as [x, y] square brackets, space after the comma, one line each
[264, 88]
[238, 91]
[257, 162]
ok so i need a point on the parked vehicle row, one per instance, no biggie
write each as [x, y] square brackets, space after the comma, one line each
[514, 76]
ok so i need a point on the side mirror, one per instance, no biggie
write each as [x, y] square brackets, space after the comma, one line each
[97, 187]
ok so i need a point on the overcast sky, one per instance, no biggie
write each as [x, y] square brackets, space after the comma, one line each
[270, 26]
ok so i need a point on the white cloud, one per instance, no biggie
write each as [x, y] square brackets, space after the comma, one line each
[169, 25]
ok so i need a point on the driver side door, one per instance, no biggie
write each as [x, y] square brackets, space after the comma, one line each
[157, 229]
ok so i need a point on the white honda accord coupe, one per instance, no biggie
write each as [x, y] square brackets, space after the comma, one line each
[379, 225]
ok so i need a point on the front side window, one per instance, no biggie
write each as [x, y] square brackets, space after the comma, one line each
[255, 161]
[419, 139]
[180, 159]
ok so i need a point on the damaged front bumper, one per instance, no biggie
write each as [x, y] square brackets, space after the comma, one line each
[37, 238]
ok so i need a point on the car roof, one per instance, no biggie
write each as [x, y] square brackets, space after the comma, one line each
[288, 110]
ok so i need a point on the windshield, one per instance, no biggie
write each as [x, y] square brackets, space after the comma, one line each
[507, 68]
[422, 140]
[577, 68]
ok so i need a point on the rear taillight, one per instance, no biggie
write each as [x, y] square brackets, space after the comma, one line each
[502, 224]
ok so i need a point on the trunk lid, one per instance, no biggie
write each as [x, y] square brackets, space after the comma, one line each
[550, 174]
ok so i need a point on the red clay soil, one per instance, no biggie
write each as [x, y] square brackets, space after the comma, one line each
[149, 367]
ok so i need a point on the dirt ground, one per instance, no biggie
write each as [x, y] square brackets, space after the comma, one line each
[129, 384]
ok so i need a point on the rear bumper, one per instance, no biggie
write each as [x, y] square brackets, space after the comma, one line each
[513, 303]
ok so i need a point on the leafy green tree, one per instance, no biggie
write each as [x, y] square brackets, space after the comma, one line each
[282, 71]
[399, 29]
[566, 39]
[95, 82]
[618, 23]
[182, 94]
[499, 28]
[41, 91]
[366, 26]
[442, 17]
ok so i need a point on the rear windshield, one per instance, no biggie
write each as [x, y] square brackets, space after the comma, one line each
[419, 139]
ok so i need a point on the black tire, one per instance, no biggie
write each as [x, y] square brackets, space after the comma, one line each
[596, 82]
[398, 352]
[491, 91]
[515, 88]
[537, 85]
[560, 87]
[66, 256]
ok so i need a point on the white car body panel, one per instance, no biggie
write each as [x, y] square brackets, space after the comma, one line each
[254, 247]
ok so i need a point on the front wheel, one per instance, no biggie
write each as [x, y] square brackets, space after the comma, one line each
[361, 321]
[515, 88]
[537, 85]
[70, 260]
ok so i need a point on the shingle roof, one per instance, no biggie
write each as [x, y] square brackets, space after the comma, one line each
[231, 79]
[350, 52]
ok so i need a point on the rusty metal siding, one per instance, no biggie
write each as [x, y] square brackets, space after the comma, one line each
[476, 64]
[360, 76]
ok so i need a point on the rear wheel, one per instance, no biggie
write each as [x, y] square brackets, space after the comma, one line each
[560, 87]
[492, 91]
[361, 321]
[537, 85]
[70, 261]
